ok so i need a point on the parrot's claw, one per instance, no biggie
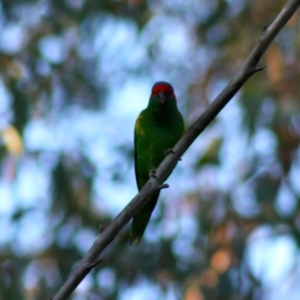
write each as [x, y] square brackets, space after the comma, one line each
[153, 173]
[169, 151]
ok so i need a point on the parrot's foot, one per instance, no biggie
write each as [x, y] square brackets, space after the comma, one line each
[169, 151]
[153, 173]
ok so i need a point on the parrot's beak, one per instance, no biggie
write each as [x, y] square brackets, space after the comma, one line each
[162, 97]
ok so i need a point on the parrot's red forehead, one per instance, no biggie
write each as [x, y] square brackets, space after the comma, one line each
[161, 86]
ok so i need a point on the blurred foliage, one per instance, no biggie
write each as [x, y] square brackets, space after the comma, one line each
[57, 55]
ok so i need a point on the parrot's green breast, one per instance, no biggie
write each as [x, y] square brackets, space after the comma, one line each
[152, 139]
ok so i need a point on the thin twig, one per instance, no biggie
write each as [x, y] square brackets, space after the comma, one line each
[163, 186]
[246, 71]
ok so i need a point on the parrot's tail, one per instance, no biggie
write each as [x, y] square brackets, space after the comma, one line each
[141, 219]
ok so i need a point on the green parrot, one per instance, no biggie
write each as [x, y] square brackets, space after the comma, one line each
[157, 129]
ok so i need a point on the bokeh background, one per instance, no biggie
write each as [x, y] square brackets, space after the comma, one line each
[74, 74]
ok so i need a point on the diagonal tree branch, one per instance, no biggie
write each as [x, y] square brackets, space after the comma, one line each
[246, 71]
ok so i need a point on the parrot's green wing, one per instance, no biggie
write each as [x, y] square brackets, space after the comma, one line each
[141, 219]
[135, 160]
